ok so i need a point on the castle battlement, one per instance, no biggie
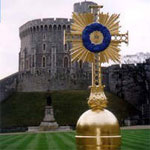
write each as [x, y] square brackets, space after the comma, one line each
[44, 24]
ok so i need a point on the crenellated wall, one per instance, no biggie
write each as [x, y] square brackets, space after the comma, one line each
[41, 25]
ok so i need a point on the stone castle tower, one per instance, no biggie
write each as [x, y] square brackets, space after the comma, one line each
[42, 43]
[43, 52]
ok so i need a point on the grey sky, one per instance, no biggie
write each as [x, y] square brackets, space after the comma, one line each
[135, 17]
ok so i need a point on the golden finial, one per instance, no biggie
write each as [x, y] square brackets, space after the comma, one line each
[96, 39]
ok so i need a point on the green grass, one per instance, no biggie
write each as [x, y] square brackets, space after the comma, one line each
[41, 141]
[131, 140]
[136, 139]
[27, 109]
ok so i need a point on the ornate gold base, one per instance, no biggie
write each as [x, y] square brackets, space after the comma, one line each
[98, 130]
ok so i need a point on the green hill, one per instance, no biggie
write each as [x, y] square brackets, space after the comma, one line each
[27, 109]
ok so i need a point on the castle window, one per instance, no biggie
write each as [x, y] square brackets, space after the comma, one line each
[50, 27]
[34, 29]
[37, 28]
[41, 28]
[27, 64]
[64, 27]
[33, 61]
[30, 62]
[45, 27]
[44, 46]
[54, 27]
[68, 27]
[65, 47]
[59, 27]
[43, 61]
[44, 36]
[66, 62]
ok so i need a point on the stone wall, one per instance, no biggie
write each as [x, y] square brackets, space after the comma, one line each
[131, 82]
[45, 81]
[8, 86]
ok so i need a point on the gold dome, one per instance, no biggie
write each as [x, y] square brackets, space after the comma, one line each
[98, 130]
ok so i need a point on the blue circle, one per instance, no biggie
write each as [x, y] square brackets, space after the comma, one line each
[86, 37]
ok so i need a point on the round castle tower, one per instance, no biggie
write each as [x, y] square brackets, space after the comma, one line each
[42, 47]
[42, 43]
[43, 52]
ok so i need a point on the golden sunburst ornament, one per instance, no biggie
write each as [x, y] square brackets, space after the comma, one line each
[95, 37]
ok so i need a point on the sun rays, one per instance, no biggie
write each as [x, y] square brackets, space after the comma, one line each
[79, 52]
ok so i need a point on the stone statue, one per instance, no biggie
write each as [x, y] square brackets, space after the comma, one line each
[48, 122]
[49, 100]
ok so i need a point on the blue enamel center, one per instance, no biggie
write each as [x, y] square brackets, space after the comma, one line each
[86, 37]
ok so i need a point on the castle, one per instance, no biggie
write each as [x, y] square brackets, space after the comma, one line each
[44, 58]
[45, 65]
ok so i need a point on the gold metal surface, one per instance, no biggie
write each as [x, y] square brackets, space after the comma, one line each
[81, 21]
[96, 37]
[97, 100]
[80, 53]
[98, 130]
[119, 38]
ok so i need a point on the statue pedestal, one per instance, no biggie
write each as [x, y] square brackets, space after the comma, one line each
[48, 122]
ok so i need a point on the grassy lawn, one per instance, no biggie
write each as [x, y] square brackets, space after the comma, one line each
[27, 109]
[136, 139]
[131, 140]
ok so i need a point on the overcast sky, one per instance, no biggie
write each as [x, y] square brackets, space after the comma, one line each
[135, 17]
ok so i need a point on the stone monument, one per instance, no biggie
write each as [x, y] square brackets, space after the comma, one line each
[48, 122]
